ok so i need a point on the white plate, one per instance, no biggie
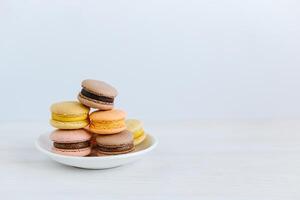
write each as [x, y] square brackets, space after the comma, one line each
[44, 145]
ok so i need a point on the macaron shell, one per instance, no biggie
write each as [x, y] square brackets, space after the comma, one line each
[70, 136]
[124, 137]
[133, 125]
[99, 88]
[69, 108]
[140, 139]
[107, 131]
[101, 153]
[108, 115]
[93, 104]
[73, 152]
[69, 125]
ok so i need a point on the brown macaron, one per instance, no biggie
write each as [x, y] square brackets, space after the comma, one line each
[97, 94]
[119, 143]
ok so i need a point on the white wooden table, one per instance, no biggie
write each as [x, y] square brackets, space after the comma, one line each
[194, 160]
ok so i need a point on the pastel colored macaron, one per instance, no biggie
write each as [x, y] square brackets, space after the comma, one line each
[71, 142]
[69, 115]
[136, 128]
[107, 122]
[119, 143]
[97, 94]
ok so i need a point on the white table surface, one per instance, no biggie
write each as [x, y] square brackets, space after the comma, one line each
[194, 160]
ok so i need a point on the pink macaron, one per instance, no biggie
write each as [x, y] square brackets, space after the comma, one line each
[71, 142]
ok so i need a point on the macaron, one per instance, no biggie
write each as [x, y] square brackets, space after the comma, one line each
[119, 143]
[71, 142]
[136, 128]
[107, 122]
[97, 94]
[69, 115]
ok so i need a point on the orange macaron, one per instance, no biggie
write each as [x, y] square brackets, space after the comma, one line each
[107, 122]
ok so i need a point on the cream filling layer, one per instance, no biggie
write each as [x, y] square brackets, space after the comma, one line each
[105, 125]
[138, 133]
[69, 118]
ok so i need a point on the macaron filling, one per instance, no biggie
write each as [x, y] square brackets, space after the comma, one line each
[69, 118]
[101, 98]
[103, 125]
[138, 133]
[121, 148]
[139, 139]
[78, 145]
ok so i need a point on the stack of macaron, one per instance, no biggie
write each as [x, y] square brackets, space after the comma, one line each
[70, 118]
[104, 129]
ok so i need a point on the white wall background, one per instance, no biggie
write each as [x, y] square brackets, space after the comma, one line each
[169, 59]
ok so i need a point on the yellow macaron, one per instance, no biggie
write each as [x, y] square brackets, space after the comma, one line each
[69, 115]
[136, 128]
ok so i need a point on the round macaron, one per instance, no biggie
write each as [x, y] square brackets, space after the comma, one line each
[119, 143]
[97, 94]
[71, 142]
[107, 122]
[136, 128]
[69, 115]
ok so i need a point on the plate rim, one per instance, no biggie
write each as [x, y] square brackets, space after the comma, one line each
[51, 154]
